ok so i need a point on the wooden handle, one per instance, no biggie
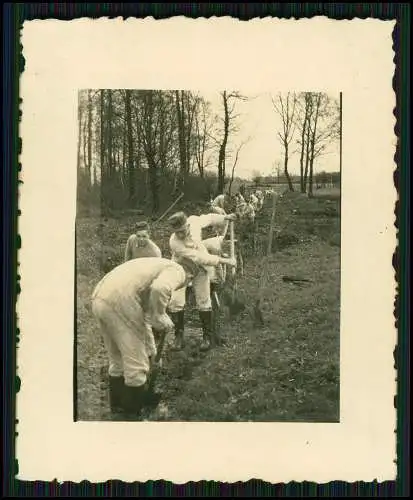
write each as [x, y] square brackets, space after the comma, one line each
[168, 210]
[232, 241]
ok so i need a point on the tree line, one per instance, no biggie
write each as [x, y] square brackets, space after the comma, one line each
[138, 147]
[311, 122]
[131, 142]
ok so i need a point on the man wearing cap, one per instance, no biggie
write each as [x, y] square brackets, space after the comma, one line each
[140, 245]
[128, 303]
[188, 250]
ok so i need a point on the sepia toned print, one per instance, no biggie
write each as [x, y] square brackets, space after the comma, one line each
[297, 352]
[243, 192]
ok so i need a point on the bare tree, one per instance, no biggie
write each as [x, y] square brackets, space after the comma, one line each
[318, 122]
[286, 109]
[149, 127]
[277, 170]
[167, 131]
[237, 152]
[202, 144]
[89, 138]
[138, 142]
[102, 137]
[79, 133]
[186, 106]
[323, 130]
[229, 101]
[303, 118]
[129, 136]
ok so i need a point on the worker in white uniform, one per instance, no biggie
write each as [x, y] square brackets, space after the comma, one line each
[127, 303]
[245, 212]
[260, 199]
[239, 198]
[253, 201]
[188, 249]
[219, 204]
[140, 244]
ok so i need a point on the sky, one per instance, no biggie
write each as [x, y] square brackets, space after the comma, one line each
[260, 122]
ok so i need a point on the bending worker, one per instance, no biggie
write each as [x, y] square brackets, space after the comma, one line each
[187, 249]
[127, 303]
[218, 205]
[140, 243]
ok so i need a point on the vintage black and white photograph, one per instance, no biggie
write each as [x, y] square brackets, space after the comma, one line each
[206, 251]
[208, 256]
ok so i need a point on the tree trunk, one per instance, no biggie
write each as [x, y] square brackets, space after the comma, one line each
[153, 180]
[181, 136]
[310, 178]
[79, 135]
[124, 156]
[150, 147]
[85, 147]
[223, 147]
[89, 140]
[131, 170]
[191, 108]
[110, 135]
[307, 157]
[302, 183]
[102, 138]
[103, 168]
[96, 134]
[109, 142]
[287, 175]
[312, 153]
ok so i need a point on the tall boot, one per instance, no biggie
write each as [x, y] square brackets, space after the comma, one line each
[178, 321]
[211, 338]
[116, 386]
[208, 337]
[134, 399]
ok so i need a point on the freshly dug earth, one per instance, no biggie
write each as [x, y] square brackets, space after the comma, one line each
[286, 370]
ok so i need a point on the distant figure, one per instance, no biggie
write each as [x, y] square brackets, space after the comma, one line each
[218, 205]
[140, 245]
[242, 190]
[245, 211]
[260, 198]
[253, 201]
[239, 198]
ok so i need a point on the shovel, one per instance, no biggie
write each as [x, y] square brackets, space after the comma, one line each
[167, 210]
[155, 372]
[235, 305]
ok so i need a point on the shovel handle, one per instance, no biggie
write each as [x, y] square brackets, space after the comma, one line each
[154, 375]
[232, 242]
[167, 210]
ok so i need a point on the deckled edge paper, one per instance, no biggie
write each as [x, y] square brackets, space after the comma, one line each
[61, 57]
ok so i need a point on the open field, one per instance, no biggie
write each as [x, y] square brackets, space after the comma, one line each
[287, 370]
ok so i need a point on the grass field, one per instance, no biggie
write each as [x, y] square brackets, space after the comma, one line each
[286, 370]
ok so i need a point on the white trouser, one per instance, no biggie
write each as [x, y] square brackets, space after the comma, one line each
[201, 286]
[128, 342]
[215, 246]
